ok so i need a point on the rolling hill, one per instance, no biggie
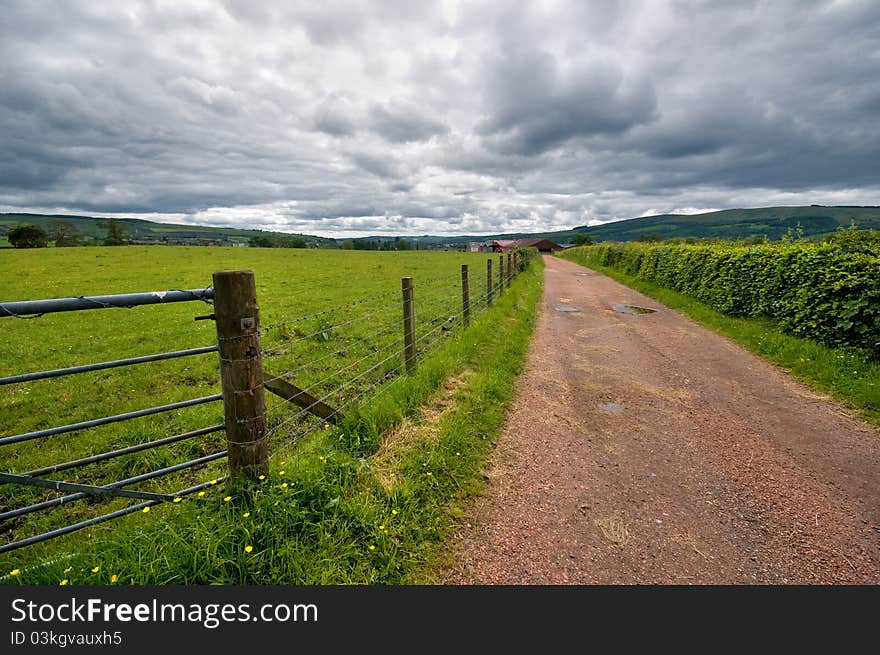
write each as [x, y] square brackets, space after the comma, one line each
[732, 224]
[772, 222]
[149, 232]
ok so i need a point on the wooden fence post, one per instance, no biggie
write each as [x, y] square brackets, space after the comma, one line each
[488, 283]
[409, 325]
[465, 295]
[237, 316]
[509, 270]
[500, 273]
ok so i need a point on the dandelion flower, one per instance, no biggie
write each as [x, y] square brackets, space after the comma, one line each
[280, 472]
[64, 582]
[261, 478]
[227, 499]
[214, 481]
[146, 509]
[371, 547]
[248, 549]
[201, 493]
[246, 514]
[96, 569]
[284, 485]
[15, 572]
[322, 458]
[394, 511]
[114, 578]
[381, 527]
[177, 499]
[68, 570]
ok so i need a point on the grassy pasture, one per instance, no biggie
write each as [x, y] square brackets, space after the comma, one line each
[362, 335]
[372, 501]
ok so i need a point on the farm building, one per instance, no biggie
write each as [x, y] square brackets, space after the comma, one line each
[543, 245]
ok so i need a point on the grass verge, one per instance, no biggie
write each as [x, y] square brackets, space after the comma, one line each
[849, 376]
[362, 503]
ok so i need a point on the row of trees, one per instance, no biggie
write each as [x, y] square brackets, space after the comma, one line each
[63, 234]
[379, 244]
[277, 242]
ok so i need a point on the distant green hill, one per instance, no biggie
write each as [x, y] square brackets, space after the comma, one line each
[772, 222]
[149, 232]
[733, 224]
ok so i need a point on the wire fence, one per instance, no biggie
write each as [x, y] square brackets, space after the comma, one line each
[318, 366]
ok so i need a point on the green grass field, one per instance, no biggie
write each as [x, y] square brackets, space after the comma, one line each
[331, 317]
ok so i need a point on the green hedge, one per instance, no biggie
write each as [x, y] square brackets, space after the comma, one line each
[823, 291]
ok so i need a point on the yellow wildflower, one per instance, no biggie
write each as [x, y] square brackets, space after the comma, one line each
[371, 547]
[428, 473]
[177, 499]
[227, 499]
[394, 511]
[284, 485]
[248, 549]
[64, 582]
[15, 572]
[381, 527]
[457, 454]
[246, 514]
[262, 477]
[68, 570]
[96, 569]
[114, 578]
[201, 493]
[280, 472]
[214, 481]
[146, 509]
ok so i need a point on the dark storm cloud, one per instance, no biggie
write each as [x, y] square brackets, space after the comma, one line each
[345, 117]
[401, 122]
[592, 98]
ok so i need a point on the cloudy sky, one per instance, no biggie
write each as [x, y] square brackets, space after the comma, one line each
[401, 117]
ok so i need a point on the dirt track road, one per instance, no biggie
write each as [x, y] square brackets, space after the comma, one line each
[647, 449]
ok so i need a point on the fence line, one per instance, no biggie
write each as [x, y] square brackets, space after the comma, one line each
[433, 308]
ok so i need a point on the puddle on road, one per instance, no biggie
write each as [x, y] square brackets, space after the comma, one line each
[632, 309]
[611, 407]
[567, 308]
[583, 274]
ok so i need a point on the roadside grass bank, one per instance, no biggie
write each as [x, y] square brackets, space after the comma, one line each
[368, 502]
[847, 374]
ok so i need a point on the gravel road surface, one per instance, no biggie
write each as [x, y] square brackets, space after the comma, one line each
[643, 448]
